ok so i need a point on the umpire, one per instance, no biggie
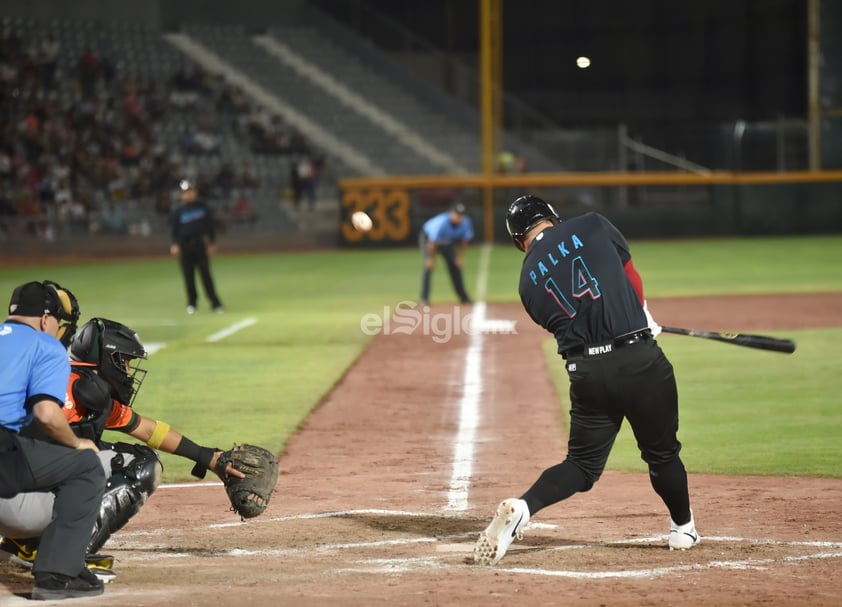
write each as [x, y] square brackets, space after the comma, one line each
[194, 240]
[447, 233]
[34, 371]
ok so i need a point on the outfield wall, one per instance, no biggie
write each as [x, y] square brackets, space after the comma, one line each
[649, 205]
[644, 205]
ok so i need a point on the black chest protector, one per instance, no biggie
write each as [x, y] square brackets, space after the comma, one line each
[92, 393]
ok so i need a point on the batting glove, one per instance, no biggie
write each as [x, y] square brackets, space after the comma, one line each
[650, 322]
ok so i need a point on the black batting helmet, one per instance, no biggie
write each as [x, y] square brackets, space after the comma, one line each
[524, 214]
[114, 349]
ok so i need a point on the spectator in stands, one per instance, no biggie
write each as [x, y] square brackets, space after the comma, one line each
[7, 213]
[198, 143]
[59, 148]
[243, 212]
[31, 212]
[72, 214]
[247, 178]
[225, 179]
[306, 175]
[88, 68]
[48, 54]
[6, 172]
[510, 162]
[113, 218]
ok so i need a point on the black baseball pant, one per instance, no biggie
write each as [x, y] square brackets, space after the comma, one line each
[448, 252]
[194, 256]
[77, 480]
[637, 383]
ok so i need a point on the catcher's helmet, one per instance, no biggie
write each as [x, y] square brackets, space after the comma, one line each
[115, 350]
[524, 214]
[68, 312]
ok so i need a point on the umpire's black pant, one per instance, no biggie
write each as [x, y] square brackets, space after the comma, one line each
[195, 256]
[76, 479]
[448, 251]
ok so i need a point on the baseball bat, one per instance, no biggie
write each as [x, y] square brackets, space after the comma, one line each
[761, 342]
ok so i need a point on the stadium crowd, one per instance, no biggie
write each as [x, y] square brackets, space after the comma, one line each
[82, 145]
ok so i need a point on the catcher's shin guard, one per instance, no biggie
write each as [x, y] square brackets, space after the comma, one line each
[125, 492]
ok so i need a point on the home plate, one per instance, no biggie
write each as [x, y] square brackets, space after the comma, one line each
[466, 548]
[495, 326]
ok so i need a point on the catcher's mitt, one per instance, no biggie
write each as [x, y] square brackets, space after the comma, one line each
[250, 495]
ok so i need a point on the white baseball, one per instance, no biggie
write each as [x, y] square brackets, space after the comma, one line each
[361, 221]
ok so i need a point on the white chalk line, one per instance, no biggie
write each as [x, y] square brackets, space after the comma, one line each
[153, 347]
[832, 549]
[445, 560]
[463, 447]
[228, 331]
[472, 386]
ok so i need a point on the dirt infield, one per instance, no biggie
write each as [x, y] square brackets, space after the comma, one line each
[384, 489]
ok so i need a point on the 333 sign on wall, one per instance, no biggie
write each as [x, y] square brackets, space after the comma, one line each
[388, 209]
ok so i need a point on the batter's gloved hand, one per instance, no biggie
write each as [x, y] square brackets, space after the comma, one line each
[650, 322]
[249, 495]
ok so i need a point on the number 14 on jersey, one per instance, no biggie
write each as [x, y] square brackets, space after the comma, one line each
[582, 283]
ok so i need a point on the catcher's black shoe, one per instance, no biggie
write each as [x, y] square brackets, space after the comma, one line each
[55, 586]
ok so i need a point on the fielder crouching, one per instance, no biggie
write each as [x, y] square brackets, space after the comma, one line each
[104, 381]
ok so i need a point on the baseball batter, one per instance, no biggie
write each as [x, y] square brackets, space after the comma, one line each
[579, 283]
[104, 380]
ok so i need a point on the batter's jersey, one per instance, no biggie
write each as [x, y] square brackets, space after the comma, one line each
[33, 367]
[440, 230]
[574, 284]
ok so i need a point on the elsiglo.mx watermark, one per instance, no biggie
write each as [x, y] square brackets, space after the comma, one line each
[409, 317]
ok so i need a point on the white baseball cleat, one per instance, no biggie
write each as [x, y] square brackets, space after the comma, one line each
[683, 537]
[508, 524]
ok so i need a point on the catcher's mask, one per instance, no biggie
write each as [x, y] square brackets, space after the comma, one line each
[47, 297]
[116, 351]
[524, 214]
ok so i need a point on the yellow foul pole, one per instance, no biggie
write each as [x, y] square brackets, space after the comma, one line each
[491, 28]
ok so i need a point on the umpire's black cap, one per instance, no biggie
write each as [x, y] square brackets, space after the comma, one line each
[459, 208]
[34, 299]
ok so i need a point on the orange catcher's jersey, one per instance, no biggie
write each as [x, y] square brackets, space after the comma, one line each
[79, 411]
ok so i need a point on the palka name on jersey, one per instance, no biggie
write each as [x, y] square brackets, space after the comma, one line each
[550, 259]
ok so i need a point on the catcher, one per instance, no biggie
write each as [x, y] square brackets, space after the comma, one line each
[104, 381]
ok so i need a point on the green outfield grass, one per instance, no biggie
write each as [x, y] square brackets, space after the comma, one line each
[743, 411]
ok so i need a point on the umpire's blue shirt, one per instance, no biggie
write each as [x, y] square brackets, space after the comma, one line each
[440, 229]
[32, 364]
